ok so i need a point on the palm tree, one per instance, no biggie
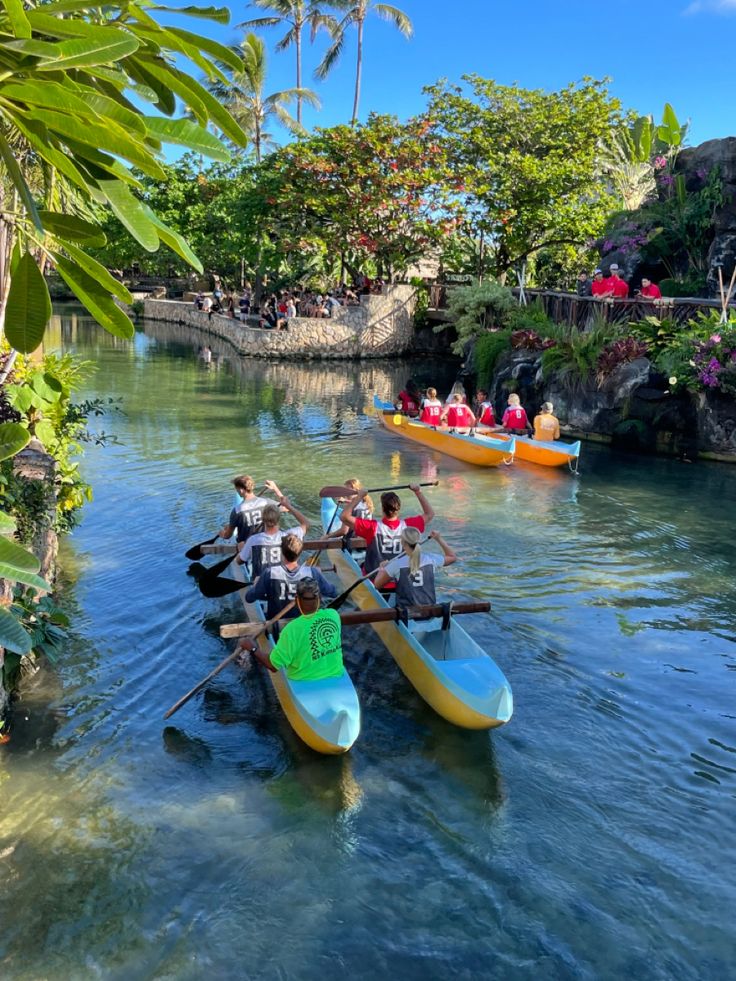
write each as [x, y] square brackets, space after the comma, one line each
[243, 96]
[356, 12]
[297, 14]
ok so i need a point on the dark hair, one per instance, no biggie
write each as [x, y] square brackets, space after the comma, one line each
[308, 588]
[291, 547]
[245, 483]
[391, 504]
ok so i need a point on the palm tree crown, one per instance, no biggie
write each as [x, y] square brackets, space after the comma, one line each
[244, 97]
[295, 15]
[355, 13]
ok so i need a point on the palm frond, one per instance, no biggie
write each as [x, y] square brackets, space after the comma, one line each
[289, 95]
[259, 22]
[397, 17]
[287, 40]
[288, 121]
[332, 55]
[320, 21]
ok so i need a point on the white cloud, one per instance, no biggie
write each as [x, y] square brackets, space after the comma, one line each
[711, 6]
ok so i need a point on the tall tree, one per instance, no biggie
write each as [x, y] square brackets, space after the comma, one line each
[296, 14]
[355, 15]
[242, 92]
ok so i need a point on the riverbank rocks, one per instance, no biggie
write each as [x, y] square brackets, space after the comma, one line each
[633, 408]
[380, 326]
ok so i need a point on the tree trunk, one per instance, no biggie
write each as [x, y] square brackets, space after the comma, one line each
[299, 71]
[358, 71]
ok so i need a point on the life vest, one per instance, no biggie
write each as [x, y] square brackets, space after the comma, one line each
[385, 545]
[431, 412]
[486, 414]
[516, 418]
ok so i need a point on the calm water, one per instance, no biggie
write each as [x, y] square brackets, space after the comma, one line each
[592, 837]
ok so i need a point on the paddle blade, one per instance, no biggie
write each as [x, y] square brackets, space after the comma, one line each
[337, 490]
[397, 419]
[195, 552]
[214, 588]
[214, 570]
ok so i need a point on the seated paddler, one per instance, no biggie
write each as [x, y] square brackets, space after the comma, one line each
[278, 584]
[413, 570]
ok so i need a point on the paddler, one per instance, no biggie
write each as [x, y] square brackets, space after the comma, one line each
[363, 509]
[263, 549]
[409, 399]
[413, 571]
[246, 518]
[383, 537]
[278, 584]
[310, 646]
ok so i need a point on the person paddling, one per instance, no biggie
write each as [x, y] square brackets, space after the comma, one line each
[383, 537]
[413, 571]
[277, 584]
[310, 646]
[263, 549]
[431, 409]
[246, 518]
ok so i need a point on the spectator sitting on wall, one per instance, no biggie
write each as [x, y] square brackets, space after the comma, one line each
[599, 286]
[649, 290]
[199, 301]
[584, 285]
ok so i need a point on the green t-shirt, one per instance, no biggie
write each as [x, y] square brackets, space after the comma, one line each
[310, 647]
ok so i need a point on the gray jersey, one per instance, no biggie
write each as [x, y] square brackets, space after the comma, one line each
[247, 518]
[415, 589]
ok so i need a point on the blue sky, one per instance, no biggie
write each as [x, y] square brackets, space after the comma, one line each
[654, 51]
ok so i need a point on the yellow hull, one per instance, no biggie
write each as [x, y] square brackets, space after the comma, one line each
[532, 451]
[422, 672]
[469, 449]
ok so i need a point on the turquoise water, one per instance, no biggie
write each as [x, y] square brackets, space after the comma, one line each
[592, 837]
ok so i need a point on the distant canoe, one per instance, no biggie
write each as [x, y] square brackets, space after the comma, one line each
[545, 454]
[482, 452]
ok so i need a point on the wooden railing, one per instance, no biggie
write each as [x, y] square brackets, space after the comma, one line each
[580, 311]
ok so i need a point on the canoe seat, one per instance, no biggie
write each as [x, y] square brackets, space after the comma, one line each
[323, 698]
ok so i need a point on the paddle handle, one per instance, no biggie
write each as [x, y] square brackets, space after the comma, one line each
[377, 490]
[198, 687]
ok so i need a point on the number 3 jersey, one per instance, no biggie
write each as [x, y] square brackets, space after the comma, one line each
[415, 588]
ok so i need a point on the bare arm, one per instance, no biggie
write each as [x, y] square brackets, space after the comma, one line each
[347, 516]
[287, 505]
[448, 553]
[427, 508]
[382, 578]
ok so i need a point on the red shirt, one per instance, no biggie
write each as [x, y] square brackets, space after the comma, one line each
[459, 415]
[431, 412]
[487, 416]
[619, 287]
[599, 286]
[652, 291]
[366, 527]
[515, 418]
[408, 406]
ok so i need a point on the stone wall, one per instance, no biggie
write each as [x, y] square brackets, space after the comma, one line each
[381, 325]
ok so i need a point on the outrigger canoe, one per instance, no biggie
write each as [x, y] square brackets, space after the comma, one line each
[483, 452]
[451, 672]
[545, 454]
[324, 714]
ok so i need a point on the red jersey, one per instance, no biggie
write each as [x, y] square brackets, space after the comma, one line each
[486, 414]
[652, 292]
[431, 412]
[409, 406]
[620, 288]
[598, 287]
[515, 418]
[459, 415]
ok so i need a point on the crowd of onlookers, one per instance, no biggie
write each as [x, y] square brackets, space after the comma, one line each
[276, 309]
[614, 286]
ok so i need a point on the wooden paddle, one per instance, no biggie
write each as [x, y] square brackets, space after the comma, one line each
[337, 491]
[256, 630]
[337, 602]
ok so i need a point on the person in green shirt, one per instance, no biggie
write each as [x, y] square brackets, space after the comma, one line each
[310, 647]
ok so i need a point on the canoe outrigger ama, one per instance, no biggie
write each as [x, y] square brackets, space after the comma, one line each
[486, 452]
[324, 714]
[486, 448]
[451, 672]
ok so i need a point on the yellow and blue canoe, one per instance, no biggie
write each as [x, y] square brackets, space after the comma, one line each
[451, 672]
[481, 451]
[324, 714]
[544, 453]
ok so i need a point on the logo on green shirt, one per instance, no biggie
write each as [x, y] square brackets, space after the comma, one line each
[324, 638]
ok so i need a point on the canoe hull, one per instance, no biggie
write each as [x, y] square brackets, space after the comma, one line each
[469, 449]
[442, 684]
[324, 714]
[541, 453]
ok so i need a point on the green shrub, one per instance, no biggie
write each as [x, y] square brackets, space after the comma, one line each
[488, 349]
[686, 286]
[531, 317]
[474, 309]
[574, 358]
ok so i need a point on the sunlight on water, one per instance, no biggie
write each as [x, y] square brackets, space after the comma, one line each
[589, 838]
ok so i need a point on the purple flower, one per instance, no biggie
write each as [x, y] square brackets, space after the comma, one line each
[702, 173]
[660, 162]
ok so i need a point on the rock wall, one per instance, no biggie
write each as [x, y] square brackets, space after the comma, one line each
[381, 325]
[633, 409]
